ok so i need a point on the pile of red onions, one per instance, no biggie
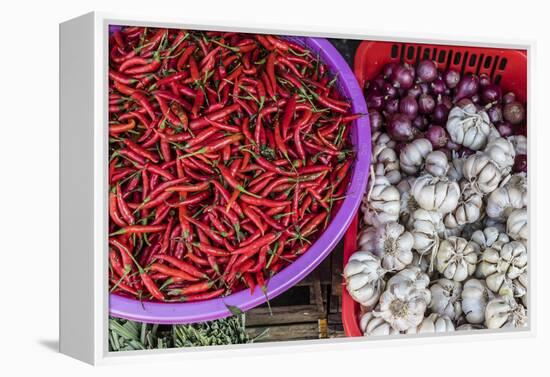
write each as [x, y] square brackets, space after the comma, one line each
[409, 103]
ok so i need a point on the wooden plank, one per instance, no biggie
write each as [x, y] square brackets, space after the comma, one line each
[283, 315]
[300, 331]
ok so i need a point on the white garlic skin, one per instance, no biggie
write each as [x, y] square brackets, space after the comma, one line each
[519, 142]
[482, 172]
[475, 296]
[502, 152]
[436, 193]
[364, 278]
[426, 228]
[503, 263]
[516, 225]
[456, 258]
[513, 195]
[470, 127]
[402, 306]
[390, 242]
[413, 154]
[446, 298]
[433, 324]
[415, 276]
[383, 204]
[375, 326]
[505, 312]
[436, 164]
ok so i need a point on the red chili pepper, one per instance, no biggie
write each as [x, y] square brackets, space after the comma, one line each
[151, 286]
[157, 267]
[139, 229]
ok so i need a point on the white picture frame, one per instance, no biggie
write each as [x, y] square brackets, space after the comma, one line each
[83, 191]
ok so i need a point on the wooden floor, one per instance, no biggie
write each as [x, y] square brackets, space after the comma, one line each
[309, 310]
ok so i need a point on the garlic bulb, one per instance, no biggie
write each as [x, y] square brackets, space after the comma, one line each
[408, 203]
[487, 237]
[446, 297]
[505, 312]
[513, 195]
[387, 164]
[456, 258]
[467, 211]
[519, 142]
[381, 203]
[516, 225]
[436, 164]
[364, 278]
[469, 127]
[499, 224]
[468, 326]
[434, 323]
[426, 229]
[375, 326]
[381, 138]
[391, 242]
[415, 276]
[475, 296]
[436, 193]
[502, 152]
[482, 172]
[502, 263]
[413, 154]
[455, 168]
[422, 261]
[402, 306]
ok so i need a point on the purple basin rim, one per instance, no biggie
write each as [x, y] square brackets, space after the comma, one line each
[192, 312]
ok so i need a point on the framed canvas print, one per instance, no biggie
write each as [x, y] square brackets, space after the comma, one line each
[226, 188]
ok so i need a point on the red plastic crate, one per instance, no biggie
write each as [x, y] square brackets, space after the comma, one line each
[506, 67]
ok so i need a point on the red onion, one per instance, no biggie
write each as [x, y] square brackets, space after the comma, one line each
[445, 100]
[409, 107]
[475, 98]
[388, 69]
[388, 90]
[420, 123]
[426, 104]
[440, 114]
[437, 136]
[467, 87]
[484, 80]
[402, 76]
[452, 78]
[452, 146]
[376, 120]
[379, 81]
[495, 114]
[426, 71]
[375, 100]
[521, 130]
[439, 87]
[392, 106]
[491, 93]
[465, 152]
[425, 87]
[520, 163]
[508, 98]
[400, 128]
[399, 147]
[514, 112]
[505, 129]
[464, 102]
[414, 91]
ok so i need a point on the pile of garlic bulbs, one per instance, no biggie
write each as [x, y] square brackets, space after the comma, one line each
[443, 244]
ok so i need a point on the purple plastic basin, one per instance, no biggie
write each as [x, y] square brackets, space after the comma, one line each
[175, 313]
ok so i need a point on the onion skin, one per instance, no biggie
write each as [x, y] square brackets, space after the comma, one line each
[467, 87]
[440, 114]
[520, 164]
[420, 123]
[495, 114]
[426, 104]
[491, 93]
[376, 120]
[514, 112]
[400, 128]
[452, 146]
[465, 152]
[445, 100]
[439, 87]
[388, 69]
[374, 100]
[402, 76]
[415, 91]
[409, 107]
[484, 80]
[452, 78]
[437, 135]
[426, 71]
[389, 91]
[508, 98]
[505, 129]
[392, 106]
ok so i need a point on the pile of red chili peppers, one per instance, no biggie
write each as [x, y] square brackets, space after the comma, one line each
[228, 153]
